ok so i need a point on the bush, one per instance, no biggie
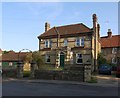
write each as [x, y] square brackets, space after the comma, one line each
[93, 80]
[9, 72]
[26, 74]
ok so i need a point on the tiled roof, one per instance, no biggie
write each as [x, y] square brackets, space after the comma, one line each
[66, 30]
[13, 56]
[113, 41]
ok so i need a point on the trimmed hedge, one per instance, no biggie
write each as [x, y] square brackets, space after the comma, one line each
[9, 73]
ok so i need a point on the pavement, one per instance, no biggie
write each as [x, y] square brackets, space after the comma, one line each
[103, 81]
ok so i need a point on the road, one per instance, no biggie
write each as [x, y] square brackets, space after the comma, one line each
[24, 88]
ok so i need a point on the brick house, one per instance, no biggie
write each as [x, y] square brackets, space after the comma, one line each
[110, 47]
[11, 58]
[71, 45]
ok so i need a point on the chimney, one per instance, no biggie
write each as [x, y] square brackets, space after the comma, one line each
[47, 26]
[94, 21]
[109, 33]
[98, 27]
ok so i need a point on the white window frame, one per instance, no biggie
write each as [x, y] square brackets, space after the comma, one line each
[46, 58]
[80, 42]
[10, 63]
[114, 50]
[79, 58]
[48, 43]
[113, 60]
[65, 42]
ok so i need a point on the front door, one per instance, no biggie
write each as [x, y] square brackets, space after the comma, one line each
[62, 60]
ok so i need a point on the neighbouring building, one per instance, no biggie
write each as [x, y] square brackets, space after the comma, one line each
[0, 59]
[11, 58]
[71, 45]
[110, 47]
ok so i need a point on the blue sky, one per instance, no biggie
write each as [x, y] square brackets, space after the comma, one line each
[23, 22]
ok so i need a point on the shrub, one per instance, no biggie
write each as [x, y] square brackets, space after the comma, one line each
[9, 72]
[26, 74]
[93, 80]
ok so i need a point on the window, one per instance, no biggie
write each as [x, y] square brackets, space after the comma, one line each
[10, 63]
[114, 50]
[114, 60]
[77, 42]
[47, 59]
[0, 63]
[65, 42]
[80, 42]
[48, 43]
[79, 59]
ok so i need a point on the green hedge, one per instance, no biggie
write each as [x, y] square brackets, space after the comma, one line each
[9, 73]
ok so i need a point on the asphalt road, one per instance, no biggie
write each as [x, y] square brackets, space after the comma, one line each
[18, 88]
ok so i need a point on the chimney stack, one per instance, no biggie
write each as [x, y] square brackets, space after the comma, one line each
[47, 26]
[109, 33]
[94, 21]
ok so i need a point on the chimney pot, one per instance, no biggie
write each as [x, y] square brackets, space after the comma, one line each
[109, 33]
[47, 26]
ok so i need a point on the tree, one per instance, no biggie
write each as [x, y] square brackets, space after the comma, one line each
[101, 59]
[35, 56]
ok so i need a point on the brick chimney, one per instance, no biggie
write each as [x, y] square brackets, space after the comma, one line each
[109, 33]
[94, 21]
[47, 26]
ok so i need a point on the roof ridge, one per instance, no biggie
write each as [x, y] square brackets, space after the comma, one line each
[68, 25]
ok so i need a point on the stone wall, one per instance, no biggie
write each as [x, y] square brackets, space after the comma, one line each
[75, 73]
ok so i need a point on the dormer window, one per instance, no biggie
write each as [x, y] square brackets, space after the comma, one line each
[79, 41]
[48, 43]
[65, 42]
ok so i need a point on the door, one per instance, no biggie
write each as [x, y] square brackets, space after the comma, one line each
[62, 60]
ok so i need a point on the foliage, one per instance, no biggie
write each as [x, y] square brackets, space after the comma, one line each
[35, 56]
[26, 73]
[93, 80]
[9, 73]
[101, 59]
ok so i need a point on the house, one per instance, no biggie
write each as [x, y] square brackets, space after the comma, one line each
[110, 47]
[71, 45]
[11, 58]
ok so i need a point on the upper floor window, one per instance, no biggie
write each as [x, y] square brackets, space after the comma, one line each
[114, 50]
[65, 42]
[79, 59]
[48, 43]
[80, 42]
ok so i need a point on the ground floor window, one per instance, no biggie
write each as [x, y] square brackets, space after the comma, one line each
[79, 59]
[10, 63]
[114, 60]
[47, 59]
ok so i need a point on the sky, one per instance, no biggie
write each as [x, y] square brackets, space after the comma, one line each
[23, 22]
